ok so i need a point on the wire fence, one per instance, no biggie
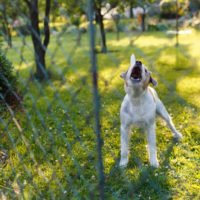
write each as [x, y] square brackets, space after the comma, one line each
[60, 135]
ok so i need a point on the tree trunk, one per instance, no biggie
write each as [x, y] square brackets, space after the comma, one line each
[102, 30]
[46, 24]
[143, 22]
[117, 34]
[78, 39]
[117, 29]
[37, 43]
[39, 47]
[6, 26]
[116, 19]
[131, 10]
[177, 25]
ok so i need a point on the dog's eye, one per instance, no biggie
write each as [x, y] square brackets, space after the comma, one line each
[145, 70]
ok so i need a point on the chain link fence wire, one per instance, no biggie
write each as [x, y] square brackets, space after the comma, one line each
[60, 136]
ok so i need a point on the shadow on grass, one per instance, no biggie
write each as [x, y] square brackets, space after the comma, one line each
[146, 182]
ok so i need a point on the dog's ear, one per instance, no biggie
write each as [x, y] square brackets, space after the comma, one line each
[149, 79]
[132, 60]
[123, 75]
[153, 81]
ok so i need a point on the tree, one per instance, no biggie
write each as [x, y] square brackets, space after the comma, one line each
[194, 5]
[98, 4]
[99, 21]
[131, 3]
[75, 10]
[144, 4]
[169, 8]
[116, 19]
[6, 13]
[40, 47]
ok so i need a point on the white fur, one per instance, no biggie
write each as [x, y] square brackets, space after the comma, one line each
[139, 108]
[132, 60]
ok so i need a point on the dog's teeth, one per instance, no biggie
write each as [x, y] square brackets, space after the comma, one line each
[135, 79]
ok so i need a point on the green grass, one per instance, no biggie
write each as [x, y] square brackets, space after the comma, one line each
[54, 156]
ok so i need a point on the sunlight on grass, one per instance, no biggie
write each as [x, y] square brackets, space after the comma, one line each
[23, 66]
[122, 42]
[156, 40]
[189, 88]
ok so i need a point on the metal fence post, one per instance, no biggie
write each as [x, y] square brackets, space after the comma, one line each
[177, 25]
[96, 97]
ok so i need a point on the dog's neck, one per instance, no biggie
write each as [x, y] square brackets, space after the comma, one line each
[135, 93]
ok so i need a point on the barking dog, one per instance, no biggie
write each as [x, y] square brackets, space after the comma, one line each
[139, 108]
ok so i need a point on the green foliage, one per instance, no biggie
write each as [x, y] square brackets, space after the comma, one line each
[169, 9]
[74, 7]
[157, 27]
[194, 5]
[7, 78]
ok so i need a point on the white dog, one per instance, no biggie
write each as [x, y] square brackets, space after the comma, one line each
[140, 107]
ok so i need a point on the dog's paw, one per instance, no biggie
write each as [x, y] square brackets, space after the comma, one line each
[178, 136]
[123, 163]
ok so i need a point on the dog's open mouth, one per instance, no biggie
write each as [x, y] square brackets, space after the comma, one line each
[136, 74]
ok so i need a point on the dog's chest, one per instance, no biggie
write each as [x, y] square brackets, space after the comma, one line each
[142, 112]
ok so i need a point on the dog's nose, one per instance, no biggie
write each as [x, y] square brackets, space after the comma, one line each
[138, 63]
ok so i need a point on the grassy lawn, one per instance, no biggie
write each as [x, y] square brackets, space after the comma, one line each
[52, 153]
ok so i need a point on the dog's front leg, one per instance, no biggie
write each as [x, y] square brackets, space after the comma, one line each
[151, 139]
[124, 145]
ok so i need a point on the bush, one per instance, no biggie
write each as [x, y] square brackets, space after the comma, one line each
[8, 82]
[157, 27]
[194, 5]
[109, 25]
[23, 30]
[168, 9]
